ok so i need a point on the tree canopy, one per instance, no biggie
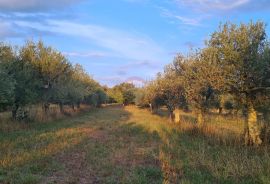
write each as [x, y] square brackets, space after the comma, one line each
[35, 73]
[235, 63]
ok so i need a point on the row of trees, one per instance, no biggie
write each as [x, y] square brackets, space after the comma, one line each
[35, 73]
[231, 71]
[124, 93]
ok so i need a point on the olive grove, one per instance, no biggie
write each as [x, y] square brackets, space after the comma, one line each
[234, 64]
[37, 74]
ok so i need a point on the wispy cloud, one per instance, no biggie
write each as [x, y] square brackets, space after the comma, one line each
[196, 12]
[212, 5]
[122, 43]
[140, 64]
[182, 19]
[90, 54]
[125, 51]
[224, 5]
[34, 5]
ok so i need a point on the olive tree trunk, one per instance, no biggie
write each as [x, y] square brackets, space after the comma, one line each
[171, 115]
[15, 108]
[153, 107]
[200, 119]
[176, 113]
[46, 107]
[220, 110]
[61, 106]
[251, 129]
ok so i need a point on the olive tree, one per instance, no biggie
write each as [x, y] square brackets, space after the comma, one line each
[153, 96]
[202, 81]
[241, 56]
[51, 68]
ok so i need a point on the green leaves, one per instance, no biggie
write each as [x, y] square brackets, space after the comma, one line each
[7, 86]
[122, 93]
[240, 52]
[234, 62]
[40, 74]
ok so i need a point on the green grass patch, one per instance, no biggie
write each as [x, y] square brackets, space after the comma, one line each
[131, 145]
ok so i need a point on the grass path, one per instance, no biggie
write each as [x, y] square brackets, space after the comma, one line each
[124, 145]
[102, 146]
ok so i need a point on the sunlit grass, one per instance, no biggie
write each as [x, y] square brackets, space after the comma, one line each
[38, 145]
[213, 154]
[131, 145]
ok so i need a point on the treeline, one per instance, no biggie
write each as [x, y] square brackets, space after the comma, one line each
[231, 72]
[37, 74]
[124, 93]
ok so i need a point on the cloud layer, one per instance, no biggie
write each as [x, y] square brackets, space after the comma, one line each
[121, 43]
[224, 5]
[34, 5]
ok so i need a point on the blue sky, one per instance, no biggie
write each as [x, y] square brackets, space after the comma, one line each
[123, 40]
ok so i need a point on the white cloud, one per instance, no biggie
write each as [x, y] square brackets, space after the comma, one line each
[194, 12]
[122, 43]
[86, 54]
[183, 20]
[114, 80]
[34, 5]
[213, 5]
[137, 81]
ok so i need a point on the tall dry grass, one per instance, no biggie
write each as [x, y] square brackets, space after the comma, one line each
[36, 114]
[214, 153]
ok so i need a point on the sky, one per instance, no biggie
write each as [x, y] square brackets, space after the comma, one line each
[123, 40]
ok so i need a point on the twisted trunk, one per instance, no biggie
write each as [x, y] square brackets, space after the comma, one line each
[251, 129]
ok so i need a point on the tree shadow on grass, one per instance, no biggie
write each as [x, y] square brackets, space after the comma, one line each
[107, 146]
[161, 112]
[206, 158]
[100, 147]
[211, 154]
[137, 154]
[21, 150]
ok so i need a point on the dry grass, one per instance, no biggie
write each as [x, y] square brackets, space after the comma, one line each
[36, 114]
[101, 146]
[212, 154]
[130, 145]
